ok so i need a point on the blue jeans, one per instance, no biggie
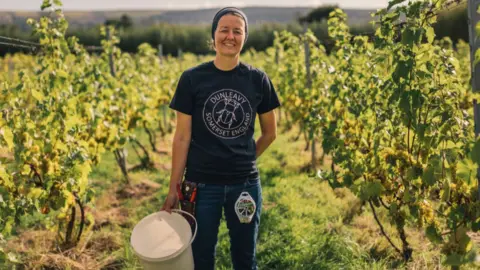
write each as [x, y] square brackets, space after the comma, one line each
[211, 198]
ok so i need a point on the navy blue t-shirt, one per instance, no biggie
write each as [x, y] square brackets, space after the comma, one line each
[223, 106]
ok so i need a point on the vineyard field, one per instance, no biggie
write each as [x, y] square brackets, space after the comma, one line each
[375, 165]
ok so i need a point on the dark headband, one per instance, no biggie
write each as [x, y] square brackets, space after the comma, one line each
[224, 11]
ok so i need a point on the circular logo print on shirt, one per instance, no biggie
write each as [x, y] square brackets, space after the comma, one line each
[227, 113]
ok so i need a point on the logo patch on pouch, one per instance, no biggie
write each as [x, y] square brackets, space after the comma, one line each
[245, 207]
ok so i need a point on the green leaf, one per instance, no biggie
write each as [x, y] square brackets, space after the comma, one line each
[46, 4]
[370, 189]
[393, 3]
[476, 225]
[406, 196]
[467, 171]
[454, 259]
[405, 102]
[430, 34]
[402, 70]
[428, 177]
[417, 99]
[8, 137]
[475, 154]
[393, 208]
[465, 243]
[433, 234]
[477, 57]
[411, 36]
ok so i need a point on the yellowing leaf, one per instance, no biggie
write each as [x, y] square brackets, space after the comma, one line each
[72, 121]
[5, 178]
[61, 73]
[69, 198]
[35, 193]
[8, 137]
[38, 95]
[430, 34]
[60, 145]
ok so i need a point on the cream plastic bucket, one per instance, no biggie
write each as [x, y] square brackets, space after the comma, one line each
[162, 241]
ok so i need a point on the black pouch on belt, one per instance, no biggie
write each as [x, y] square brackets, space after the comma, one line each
[187, 204]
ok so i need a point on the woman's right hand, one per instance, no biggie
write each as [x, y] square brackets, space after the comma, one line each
[171, 202]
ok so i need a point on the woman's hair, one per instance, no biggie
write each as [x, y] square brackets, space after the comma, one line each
[211, 42]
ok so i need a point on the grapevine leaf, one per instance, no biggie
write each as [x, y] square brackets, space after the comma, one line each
[393, 3]
[476, 225]
[7, 228]
[8, 137]
[402, 70]
[410, 36]
[430, 34]
[405, 102]
[38, 95]
[433, 234]
[454, 259]
[467, 170]
[477, 57]
[428, 177]
[475, 154]
[72, 121]
[465, 243]
[35, 193]
[371, 189]
[12, 258]
[406, 196]
[62, 74]
[60, 145]
[46, 4]
[417, 99]
[393, 208]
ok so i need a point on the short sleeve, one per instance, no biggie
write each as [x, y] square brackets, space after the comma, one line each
[182, 100]
[270, 99]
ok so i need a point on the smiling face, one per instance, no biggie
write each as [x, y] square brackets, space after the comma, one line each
[229, 35]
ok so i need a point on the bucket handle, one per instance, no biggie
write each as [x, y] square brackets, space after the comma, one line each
[196, 224]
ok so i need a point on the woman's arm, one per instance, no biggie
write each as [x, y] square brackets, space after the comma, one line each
[268, 123]
[181, 143]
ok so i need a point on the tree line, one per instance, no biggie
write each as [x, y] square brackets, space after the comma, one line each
[195, 38]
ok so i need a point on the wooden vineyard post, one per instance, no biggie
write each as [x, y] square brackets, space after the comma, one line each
[277, 62]
[164, 107]
[180, 57]
[160, 53]
[120, 154]
[11, 67]
[473, 20]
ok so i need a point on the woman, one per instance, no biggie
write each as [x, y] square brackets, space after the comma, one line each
[216, 104]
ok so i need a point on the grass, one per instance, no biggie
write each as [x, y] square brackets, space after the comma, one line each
[304, 223]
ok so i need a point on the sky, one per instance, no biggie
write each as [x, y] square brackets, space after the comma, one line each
[34, 5]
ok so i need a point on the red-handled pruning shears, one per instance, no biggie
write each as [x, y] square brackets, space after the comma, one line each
[194, 194]
[179, 191]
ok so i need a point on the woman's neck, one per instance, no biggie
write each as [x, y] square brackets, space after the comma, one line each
[226, 63]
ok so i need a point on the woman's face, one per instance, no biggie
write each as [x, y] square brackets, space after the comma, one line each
[229, 35]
